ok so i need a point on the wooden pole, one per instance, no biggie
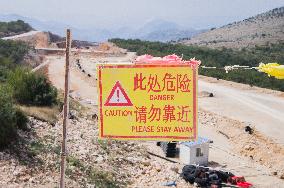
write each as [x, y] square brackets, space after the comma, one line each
[65, 111]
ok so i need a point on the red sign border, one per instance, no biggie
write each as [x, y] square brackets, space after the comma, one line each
[100, 67]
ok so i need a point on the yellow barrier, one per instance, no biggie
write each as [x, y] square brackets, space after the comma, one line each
[272, 69]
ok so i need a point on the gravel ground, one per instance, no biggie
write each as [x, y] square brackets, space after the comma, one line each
[33, 160]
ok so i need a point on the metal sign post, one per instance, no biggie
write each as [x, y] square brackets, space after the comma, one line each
[65, 110]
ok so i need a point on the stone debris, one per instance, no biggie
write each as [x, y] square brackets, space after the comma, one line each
[34, 161]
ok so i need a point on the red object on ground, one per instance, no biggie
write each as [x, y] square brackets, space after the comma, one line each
[244, 184]
[240, 181]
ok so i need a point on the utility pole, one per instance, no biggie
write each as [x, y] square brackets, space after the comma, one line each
[65, 111]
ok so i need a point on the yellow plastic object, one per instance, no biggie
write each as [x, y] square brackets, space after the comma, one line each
[272, 69]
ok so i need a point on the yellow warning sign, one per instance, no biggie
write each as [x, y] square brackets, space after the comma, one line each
[147, 102]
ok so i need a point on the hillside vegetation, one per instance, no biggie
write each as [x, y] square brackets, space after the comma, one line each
[11, 55]
[13, 28]
[219, 58]
[19, 86]
[262, 29]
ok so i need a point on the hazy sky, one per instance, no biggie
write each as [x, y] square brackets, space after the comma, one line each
[120, 13]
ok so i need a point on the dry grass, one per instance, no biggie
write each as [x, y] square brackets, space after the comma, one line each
[48, 114]
[52, 114]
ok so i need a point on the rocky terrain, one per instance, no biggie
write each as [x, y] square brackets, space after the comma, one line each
[265, 28]
[34, 159]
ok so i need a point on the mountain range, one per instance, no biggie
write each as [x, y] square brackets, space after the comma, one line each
[154, 30]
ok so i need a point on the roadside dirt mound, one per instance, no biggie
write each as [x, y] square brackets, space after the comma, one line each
[39, 40]
[255, 146]
[35, 38]
[110, 47]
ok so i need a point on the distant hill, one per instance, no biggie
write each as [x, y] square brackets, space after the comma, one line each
[262, 29]
[163, 31]
[13, 28]
[155, 30]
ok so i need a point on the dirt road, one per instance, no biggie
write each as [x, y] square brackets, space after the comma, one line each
[261, 110]
[82, 81]
[81, 87]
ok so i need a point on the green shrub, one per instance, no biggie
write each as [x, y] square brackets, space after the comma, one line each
[101, 179]
[21, 120]
[31, 88]
[8, 123]
[5, 66]
[36, 147]
[12, 54]
[14, 50]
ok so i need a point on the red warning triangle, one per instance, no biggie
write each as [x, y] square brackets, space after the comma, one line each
[118, 97]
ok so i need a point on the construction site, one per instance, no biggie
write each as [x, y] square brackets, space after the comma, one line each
[161, 105]
[242, 125]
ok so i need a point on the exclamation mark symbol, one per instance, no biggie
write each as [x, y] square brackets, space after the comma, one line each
[117, 94]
